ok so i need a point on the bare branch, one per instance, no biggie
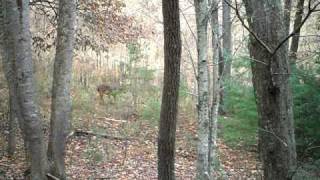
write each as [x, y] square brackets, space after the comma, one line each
[191, 58]
[236, 9]
[310, 11]
[189, 27]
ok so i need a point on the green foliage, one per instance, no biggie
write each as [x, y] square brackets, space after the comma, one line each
[83, 100]
[240, 127]
[306, 88]
[240, 100]
[144, 74]
[151, 110]
[183, 90]
[134, 51]
[309, 171]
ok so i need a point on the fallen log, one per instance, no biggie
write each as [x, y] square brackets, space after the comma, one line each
[79, 132]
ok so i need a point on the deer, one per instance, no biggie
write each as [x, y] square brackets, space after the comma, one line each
[106, 89]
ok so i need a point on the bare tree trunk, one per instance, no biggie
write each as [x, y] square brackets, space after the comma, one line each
[201, 9]
[212, 152]
[18, 16]
[226, 60]
[227, 39]
[7, 48]
[271, 83]
[286, 16]
[4, 48]
[61, 99]
[170, 93]
[295, 39]
[12, 129]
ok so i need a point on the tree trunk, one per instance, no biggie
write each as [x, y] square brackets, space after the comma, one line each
[201, 9]
[18, 12]
[12, 129]
[286, 17]
[225, 64]
[61, 99]
[272, 90]
[8, 53]
[212, 154]
[227, 40]
[4, 48]
[295, 39]
[170, 93]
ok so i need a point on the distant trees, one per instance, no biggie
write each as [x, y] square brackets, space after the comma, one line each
[170, 94]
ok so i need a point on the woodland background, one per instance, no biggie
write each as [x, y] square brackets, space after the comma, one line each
[121, 43]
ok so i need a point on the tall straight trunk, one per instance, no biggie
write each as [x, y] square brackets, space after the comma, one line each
[18, 12]
[8, 53]
[213, 116]
[4, 48]
[61, 99]
[201, 9]
[295, 39]
[170, 93]
[271, 84]
[227, 39]
[225, 64]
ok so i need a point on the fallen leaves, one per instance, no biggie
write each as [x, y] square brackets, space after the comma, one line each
[94, 157]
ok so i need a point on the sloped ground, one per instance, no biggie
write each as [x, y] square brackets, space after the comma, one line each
[97, 157]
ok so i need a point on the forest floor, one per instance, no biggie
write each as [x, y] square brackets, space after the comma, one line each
[134, 155]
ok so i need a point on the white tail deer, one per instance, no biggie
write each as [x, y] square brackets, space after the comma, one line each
[105, 89]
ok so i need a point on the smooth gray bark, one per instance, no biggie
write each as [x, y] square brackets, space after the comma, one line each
[61, 99]
[271, 84]
[213, 116]
[201, 9]
[8, 54]
[226, 60]
[227, 39]
[170, 93]
[5, 57]
[18, 16]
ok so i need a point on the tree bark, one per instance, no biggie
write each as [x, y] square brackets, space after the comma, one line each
[170, 93]
[213, 116]
[271, 84]
[226, 60]
[12, 129]
[8, 53]
[286, 17]
[18, 16]
[61, 99]
[4, 48]
[201, 9]
[227, 39]
[295, 39]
